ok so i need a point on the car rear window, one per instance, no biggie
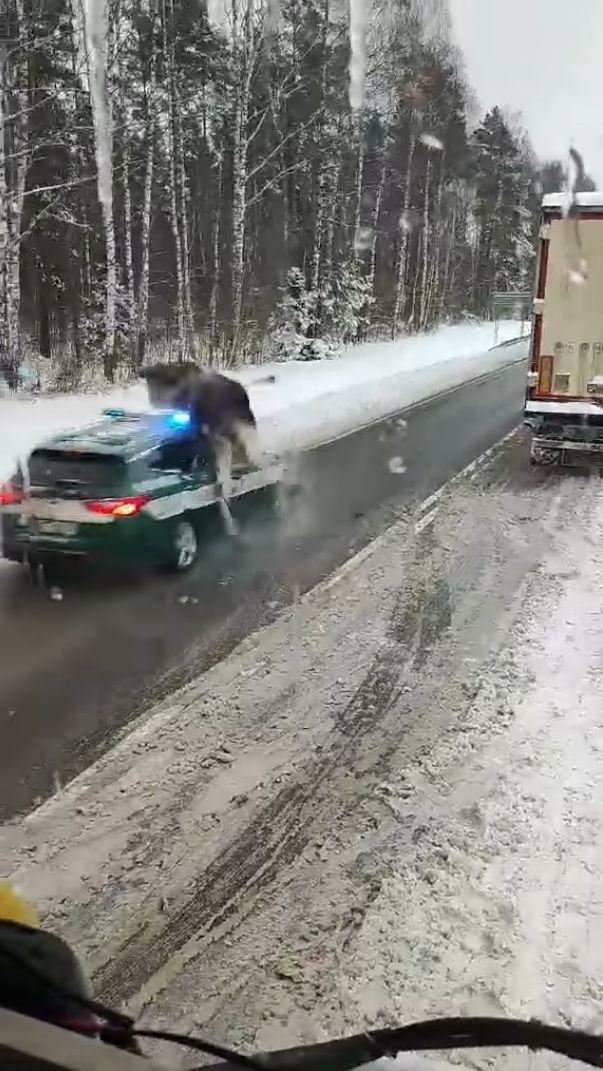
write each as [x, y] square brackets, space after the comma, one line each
[74, 473]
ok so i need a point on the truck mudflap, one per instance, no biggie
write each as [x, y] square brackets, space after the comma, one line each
[567, 452]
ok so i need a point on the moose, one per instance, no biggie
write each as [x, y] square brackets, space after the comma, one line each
[219, 408]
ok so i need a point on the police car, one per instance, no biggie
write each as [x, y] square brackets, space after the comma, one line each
[136, 489]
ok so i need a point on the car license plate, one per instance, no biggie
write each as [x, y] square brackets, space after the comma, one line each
[64, 529]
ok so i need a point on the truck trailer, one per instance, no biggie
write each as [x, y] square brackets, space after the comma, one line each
[564, 399]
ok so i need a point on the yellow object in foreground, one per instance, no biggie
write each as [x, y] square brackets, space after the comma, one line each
[14, 909]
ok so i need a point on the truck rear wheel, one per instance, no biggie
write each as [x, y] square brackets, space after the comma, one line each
[543, 456]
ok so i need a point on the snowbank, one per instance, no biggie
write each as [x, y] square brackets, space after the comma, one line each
[299, 404]
[326, 399]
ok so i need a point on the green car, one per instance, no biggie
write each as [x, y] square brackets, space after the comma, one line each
[136, 489]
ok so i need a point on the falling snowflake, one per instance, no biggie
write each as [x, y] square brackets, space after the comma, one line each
[396, 466]
[578, 278]
[431, 142]
[364, 239]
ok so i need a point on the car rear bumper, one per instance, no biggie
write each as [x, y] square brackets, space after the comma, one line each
[127, 543]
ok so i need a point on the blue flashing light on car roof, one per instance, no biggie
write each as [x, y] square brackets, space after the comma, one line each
[179, 419]
[172, 419]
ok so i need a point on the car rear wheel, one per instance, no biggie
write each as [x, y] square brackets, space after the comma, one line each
[184, 546]
[12, 554]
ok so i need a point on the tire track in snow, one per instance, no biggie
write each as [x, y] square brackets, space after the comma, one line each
[279, 832]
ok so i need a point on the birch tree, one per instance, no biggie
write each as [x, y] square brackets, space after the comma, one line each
[244, 33]
[14, 153]
[403, 238]
[149, 80]
[96, 28]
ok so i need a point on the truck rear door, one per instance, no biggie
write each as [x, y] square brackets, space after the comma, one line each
[567, 343]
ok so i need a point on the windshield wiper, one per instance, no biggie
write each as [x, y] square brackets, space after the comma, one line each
[437, 1034]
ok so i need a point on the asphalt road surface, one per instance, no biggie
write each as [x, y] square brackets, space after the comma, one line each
[75, 672]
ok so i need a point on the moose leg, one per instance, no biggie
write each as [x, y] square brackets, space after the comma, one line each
[246, 436]
[223, 453]
[223, 456]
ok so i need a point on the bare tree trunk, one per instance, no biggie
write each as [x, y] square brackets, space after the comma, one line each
[400, 299]
[438, 233]
[238, 238]
[372, 276]
[76, 332]
[173, 192]
[321, 193]
[130, 327]
[197, 227]
[487, 260]
[431, 289]
[183, 215]
[446, 283]
[129, 262]
[142, 323]
[359, 178]
[96, 38]
[425, 244]
[215, 267]
[333, 176]
[319, 222]
[286, 210]
[412, 316]
[15, 177]
[111, 303]
[242, 44]
[80, 287]
[180, 315]
[87, 280]
[495, 219]
[4, 217]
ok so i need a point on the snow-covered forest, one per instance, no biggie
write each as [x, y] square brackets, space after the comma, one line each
[231, 178]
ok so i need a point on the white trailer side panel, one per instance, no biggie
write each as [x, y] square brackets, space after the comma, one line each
[572, 325]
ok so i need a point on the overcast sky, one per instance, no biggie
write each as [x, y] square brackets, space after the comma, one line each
[543, 58]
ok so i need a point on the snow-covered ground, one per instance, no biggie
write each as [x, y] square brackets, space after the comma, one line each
[383, 806]
[307, 403]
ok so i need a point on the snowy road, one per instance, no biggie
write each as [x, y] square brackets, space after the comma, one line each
[383, 806]
[73, 673]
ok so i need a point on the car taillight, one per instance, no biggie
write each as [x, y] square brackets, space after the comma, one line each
[10, 495]
[117, 507]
